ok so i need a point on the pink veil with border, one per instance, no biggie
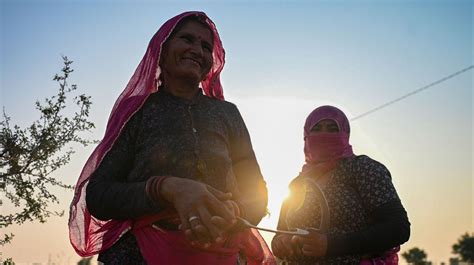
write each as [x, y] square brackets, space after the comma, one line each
[87, 234]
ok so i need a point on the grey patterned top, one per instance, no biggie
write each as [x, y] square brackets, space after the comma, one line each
[364, 208]
[202, 139]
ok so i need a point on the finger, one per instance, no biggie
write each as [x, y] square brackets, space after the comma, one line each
[225, 226]
[190, 236]
[308, 240]
[309, 250]
[232, 205]
[206, 218]
[199, 230]
[223, 196]
[279, 250]
[286, 246]
[308, 253]
[282, 251]
[185, 225]
[289, 250]
[220, 222]
[193, 222]
[295, 240]
[296, 248]
[202, 235]
[219, 208]
[295, 245]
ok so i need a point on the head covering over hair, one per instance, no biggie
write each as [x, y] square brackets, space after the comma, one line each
[87, 234]
[324, 150]
[327, 113]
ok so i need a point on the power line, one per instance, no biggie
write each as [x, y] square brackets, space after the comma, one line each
[412, 93]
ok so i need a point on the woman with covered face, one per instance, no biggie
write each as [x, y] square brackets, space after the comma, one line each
[346, 201]
[176, 166]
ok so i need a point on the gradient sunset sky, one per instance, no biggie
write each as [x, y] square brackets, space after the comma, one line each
[283, 59]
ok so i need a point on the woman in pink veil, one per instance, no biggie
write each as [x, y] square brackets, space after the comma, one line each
[352, 209]
[176, 166]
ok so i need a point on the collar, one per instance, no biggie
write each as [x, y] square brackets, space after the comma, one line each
[179, 100]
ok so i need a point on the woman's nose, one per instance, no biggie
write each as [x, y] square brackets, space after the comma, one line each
[197, 49]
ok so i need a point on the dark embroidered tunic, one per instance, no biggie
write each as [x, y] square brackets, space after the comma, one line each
[203, 139]
[366, 216]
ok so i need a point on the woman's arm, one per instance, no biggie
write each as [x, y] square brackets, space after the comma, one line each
[252, 187]
[389, 225]
[108, 194]
[389, 229]
[389, 221]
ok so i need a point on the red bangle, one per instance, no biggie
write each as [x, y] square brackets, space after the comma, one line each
[153, 190]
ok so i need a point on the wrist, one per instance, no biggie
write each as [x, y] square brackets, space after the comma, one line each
[153, 190]
[168, 189]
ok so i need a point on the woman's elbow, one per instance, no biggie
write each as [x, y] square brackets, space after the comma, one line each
[404, 233]
[93, 204]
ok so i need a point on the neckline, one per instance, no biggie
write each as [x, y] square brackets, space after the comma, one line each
[179, 100]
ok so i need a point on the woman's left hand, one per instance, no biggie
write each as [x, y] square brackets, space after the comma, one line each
[315, 244]
[232, 206]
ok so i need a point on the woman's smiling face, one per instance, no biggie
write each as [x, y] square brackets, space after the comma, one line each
[188, 52]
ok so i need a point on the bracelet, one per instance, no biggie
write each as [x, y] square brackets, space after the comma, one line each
[153, 190]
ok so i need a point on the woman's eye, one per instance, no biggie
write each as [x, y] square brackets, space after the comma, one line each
[207, 48]
[186, 38]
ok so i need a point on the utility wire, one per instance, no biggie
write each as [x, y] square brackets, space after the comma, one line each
[412, 93]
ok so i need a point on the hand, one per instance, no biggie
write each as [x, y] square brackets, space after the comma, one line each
[196, 204]
[315, 244]
[221, 222]
[283, 247]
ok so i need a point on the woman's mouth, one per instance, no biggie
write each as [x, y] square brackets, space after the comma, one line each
[194, 61]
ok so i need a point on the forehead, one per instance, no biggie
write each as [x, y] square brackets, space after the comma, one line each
[327, 122]
[197, 29]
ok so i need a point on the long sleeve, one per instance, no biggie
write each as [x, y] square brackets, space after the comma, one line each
[388, 226]
[253, 195]
[389, 229]
[109, 195]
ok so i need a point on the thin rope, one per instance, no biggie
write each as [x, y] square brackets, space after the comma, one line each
[412, 93]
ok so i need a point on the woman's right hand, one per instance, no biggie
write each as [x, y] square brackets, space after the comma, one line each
[283, 247]
[196, 204]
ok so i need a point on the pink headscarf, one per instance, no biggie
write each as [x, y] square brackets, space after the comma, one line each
[324, 150]
[87, 234]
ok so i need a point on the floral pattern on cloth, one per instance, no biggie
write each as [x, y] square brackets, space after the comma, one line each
[125, 251]
[203, 139]
[356, 187]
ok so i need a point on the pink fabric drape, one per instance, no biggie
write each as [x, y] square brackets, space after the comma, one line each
[388, 258]
[87, 234]
[172, 247]
[323, 150]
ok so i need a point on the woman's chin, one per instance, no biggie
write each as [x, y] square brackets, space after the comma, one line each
[192, 77]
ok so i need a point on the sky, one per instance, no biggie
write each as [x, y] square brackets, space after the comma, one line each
[283, 59]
